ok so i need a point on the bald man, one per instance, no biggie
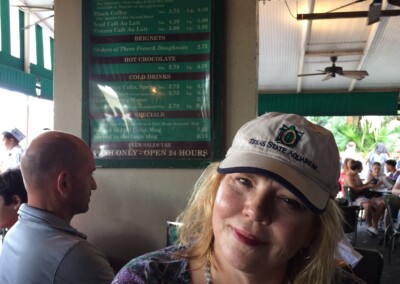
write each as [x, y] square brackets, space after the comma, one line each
[42, 247]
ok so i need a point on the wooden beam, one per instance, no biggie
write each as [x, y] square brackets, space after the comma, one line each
[338, 15]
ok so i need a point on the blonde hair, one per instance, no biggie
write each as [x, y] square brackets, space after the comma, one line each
[196, 234]
[345, 167]
[322, 266]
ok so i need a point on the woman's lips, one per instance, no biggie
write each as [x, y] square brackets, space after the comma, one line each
[246, 238]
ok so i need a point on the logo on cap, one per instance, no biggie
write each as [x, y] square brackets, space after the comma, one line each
[289, 136]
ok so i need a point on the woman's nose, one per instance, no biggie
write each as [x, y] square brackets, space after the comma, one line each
[259, 210]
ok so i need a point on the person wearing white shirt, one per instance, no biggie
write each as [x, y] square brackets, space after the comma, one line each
[14, 151]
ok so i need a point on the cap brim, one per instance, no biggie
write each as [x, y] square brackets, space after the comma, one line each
[309, 192]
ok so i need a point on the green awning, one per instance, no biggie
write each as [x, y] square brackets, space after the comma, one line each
[17, 80]
[332, 104]
[46, 87]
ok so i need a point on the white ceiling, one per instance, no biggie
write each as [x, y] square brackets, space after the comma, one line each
[289, 47]
[41, 11]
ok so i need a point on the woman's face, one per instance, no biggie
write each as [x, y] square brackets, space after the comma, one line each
[259, 224]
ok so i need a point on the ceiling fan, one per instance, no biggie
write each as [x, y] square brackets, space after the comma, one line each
[331, 72]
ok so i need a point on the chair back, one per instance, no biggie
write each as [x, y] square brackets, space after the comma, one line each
[350, 215]
[350, 221]
[172, 232]
[370, 267]
[392, 203]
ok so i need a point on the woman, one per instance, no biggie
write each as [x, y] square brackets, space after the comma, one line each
[362, 196]
[265, 214]
[343, 173]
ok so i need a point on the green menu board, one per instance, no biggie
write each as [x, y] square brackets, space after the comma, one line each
[151, 99]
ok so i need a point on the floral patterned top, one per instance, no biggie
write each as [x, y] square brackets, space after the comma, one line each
[161, 266]
[164, 267]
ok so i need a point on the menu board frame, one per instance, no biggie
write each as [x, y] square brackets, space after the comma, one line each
[215, 98]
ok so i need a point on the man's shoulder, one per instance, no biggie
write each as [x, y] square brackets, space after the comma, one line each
[88, 264]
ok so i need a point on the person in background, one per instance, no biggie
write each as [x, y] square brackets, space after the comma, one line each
[362, 196]
[393, 173]
[376, 178]
[351, 151]
[396, 187]
[14, 151]
[12, 195]
[265, 214]
[396, 157]
[379, 154]
[343, 174]
[42, 247]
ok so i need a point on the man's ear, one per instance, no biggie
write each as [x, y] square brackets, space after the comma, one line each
[62, 183]
[16, 201]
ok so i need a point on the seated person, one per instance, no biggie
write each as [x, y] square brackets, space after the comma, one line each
[265, 214]
[343, 173]
[42, 247]
[396, 187]
[12, 195]
[393, 173]
[376, 178]
[362, 196]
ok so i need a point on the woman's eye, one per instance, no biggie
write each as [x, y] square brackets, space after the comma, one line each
[244, 181]
[292, 203]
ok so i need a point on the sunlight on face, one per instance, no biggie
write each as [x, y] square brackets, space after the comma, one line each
[376, 169]
[258, 223]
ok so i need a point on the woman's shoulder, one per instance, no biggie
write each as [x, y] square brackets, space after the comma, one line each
[349, 278]
[161, 265]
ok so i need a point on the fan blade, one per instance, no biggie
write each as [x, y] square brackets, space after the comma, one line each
[37, 22]
[311, 74]
[26, 8]
[327, 77]
[355, 74]
[374, 12]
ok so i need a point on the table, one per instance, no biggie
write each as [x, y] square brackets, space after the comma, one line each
[384, 191]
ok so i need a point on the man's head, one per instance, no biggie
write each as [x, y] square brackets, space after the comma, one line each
[390, 165]
[376, 168]
[12, 195]
[12, 138]
[57, 168]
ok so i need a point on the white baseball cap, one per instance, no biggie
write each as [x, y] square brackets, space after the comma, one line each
[300, 155]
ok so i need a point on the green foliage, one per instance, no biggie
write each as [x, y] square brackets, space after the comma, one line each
[365, 132]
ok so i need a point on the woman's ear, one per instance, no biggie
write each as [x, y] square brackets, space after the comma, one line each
[16, 202]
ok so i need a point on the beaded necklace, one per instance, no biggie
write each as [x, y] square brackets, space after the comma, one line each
[207, 273]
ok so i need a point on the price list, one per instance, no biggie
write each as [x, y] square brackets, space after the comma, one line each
[149, 87]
